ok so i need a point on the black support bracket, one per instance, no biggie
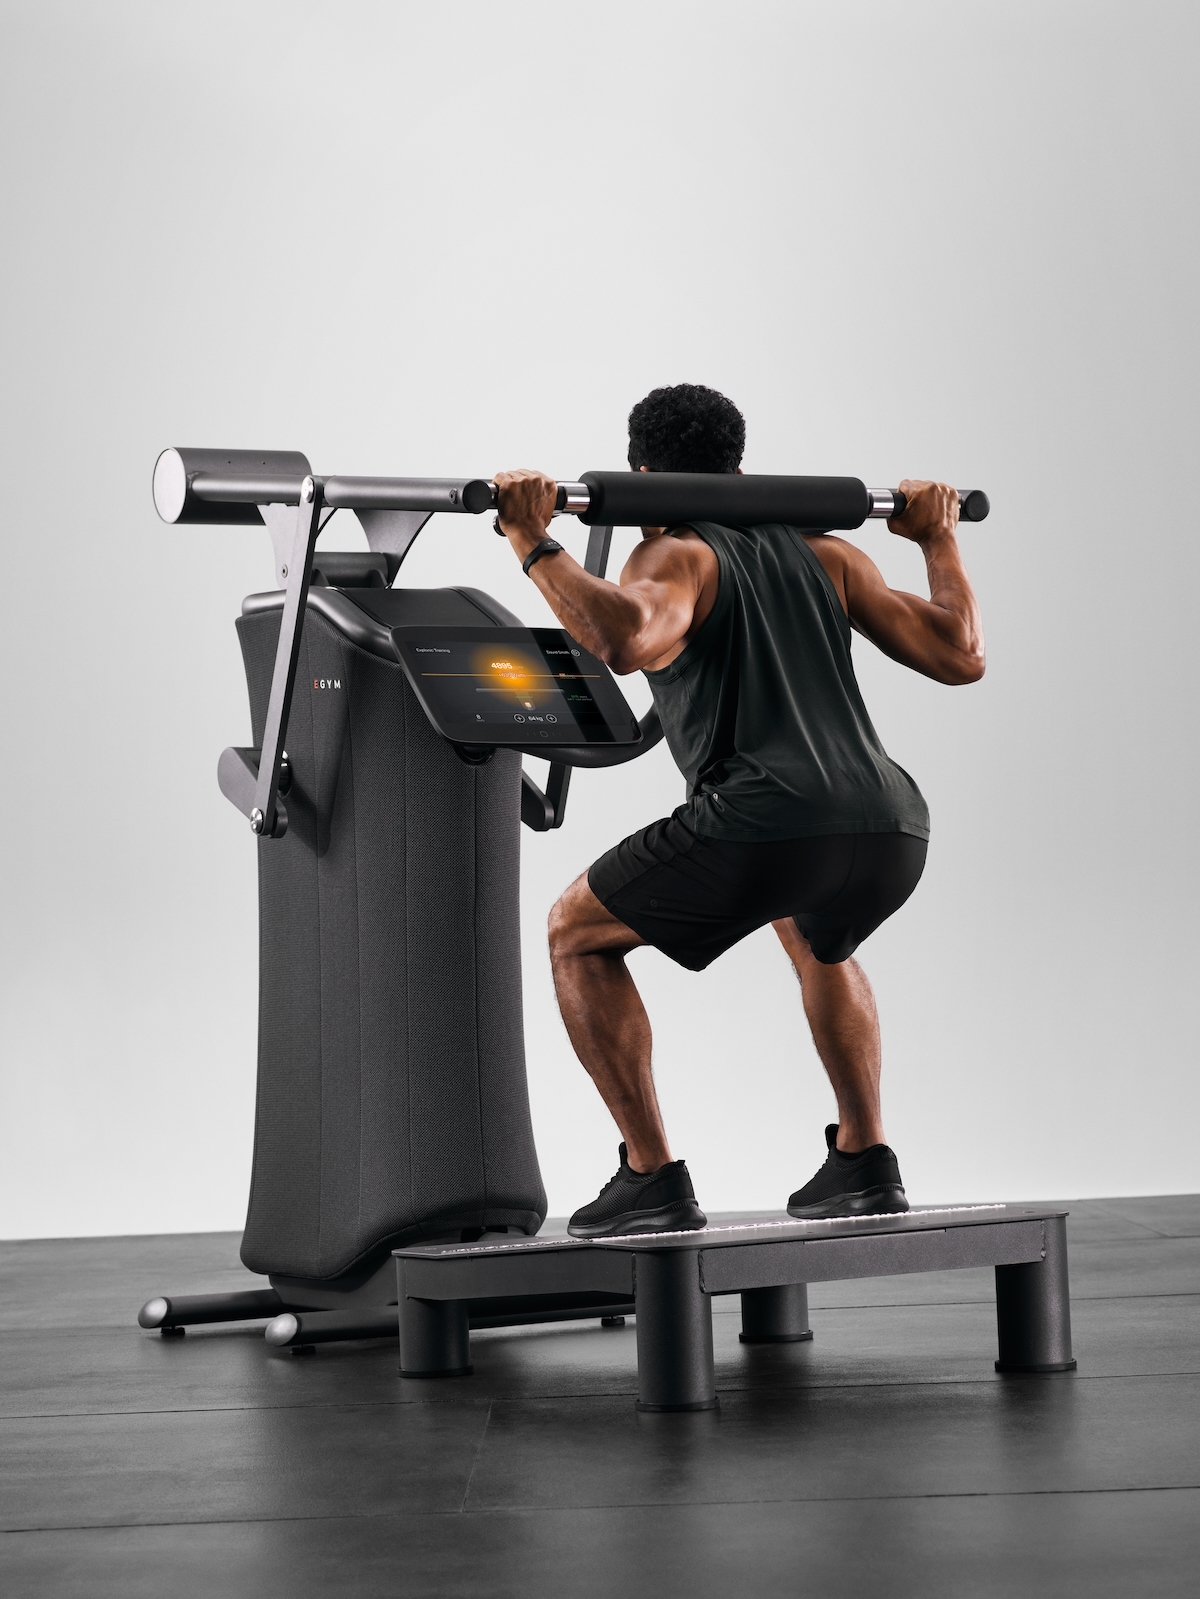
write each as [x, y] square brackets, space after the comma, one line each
[543, 812]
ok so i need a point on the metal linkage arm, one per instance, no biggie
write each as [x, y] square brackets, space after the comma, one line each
[252, 779]
[266, 815]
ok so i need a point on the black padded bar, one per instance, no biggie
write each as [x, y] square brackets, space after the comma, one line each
[656, 499]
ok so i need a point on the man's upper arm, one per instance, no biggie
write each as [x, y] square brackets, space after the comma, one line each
[897, 623]
[662, 573]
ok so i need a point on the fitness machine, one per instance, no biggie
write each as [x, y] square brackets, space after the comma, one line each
[385, 788]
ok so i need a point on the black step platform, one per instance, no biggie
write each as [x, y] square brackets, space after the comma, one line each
[668, 1280]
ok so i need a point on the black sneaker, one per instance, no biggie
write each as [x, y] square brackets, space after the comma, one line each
[659, 1201]
[863, 1184]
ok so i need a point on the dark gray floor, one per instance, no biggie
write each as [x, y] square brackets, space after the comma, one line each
[886, 1457]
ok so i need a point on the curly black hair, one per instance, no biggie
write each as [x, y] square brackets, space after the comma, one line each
[686, 428]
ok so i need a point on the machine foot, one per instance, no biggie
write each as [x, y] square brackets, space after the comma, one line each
[300, 1329]
[168, 1315]
[612, 1321]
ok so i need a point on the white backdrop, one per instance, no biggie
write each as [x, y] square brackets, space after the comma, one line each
[914, 239]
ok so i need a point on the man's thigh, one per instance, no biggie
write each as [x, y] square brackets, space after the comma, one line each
[693, 898]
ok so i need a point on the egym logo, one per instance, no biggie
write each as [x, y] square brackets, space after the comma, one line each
[327, 682]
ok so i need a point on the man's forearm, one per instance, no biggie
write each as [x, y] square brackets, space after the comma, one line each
[628, 625]
[951, 592]
[602, 616]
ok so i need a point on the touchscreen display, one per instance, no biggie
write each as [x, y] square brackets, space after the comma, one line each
[518, 687]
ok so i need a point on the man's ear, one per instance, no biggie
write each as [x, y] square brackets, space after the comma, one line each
[643, 468]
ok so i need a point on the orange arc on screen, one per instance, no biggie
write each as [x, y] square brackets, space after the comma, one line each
[511, 671]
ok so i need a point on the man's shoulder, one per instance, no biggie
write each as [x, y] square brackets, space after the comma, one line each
[673, 549]
[832, 552]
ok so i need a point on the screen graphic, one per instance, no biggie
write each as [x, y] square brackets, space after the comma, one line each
[514, 686]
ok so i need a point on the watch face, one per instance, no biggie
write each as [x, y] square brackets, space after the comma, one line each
[518, 688]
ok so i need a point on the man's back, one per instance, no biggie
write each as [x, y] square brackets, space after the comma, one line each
[762, 709]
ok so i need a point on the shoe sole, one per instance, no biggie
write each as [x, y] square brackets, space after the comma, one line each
[885, 1201]
[685, 1216]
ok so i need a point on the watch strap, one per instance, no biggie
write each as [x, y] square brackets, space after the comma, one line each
[547, 546]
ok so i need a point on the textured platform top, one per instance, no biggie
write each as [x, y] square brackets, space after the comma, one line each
[750, 1229]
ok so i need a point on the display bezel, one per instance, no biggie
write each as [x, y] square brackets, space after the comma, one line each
[620, 725]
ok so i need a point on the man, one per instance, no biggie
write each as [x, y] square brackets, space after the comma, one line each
[794, 816]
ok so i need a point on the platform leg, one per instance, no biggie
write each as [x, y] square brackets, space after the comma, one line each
[775, 1315]
[674, 1332]
[1033, 1309]
[435, 1338]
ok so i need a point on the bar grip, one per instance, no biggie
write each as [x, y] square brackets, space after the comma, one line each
[973, 505]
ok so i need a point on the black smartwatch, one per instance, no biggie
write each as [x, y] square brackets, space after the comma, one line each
[546, 547]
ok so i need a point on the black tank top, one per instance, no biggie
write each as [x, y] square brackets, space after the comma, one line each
[762, 710]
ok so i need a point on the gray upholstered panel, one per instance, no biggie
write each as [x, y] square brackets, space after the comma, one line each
[392, 1101]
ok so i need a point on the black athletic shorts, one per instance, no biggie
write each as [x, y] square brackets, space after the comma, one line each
[694, 898]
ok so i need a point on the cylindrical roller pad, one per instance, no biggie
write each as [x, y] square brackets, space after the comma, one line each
[657, 499]
[280, 471]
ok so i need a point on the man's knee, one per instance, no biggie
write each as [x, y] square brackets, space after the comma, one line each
[831, 952]
[580, 925]
[798, 948]
[558, 927]
[569, 917]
